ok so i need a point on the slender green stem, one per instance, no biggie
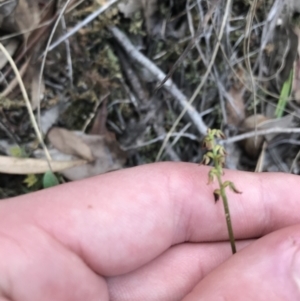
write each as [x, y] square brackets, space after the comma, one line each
[217, 153]
[227, 215]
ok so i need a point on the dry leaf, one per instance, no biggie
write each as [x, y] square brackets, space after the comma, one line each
[284, 122]
[235, 108]
[102, 147]
[11, 46]
[36, 94]
[108, 156]
[253, 145]
[21, 166]
[27, 16]
[128, 8]
[69, 143]
[24, 18]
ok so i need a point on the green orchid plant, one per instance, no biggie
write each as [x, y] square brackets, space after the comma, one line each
[216, 154]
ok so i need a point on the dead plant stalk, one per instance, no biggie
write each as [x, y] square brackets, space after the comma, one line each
[26, 99]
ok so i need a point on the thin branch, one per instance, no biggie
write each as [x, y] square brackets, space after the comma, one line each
[80, 25]
[68, 53]
[45, 55]
[275, 130]
[247, 51]
[162, 137]
[160, 75]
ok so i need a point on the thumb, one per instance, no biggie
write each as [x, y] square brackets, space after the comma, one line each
[268, 269]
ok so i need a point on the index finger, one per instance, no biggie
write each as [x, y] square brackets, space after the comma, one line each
[119, 221]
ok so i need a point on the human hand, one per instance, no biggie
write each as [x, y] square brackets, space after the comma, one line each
[152, 233]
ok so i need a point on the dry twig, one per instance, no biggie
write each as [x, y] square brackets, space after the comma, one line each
[275, 130]
[160, 75]
[86, 21]
[204, 78]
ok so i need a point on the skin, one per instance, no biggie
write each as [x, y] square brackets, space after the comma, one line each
[152, 233]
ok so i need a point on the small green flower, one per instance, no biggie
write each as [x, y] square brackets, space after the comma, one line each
[212, 175]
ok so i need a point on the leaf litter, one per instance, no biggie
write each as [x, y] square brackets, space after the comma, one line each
[103, 99]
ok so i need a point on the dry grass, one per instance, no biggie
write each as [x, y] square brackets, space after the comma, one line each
[167, 72]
